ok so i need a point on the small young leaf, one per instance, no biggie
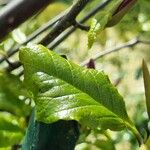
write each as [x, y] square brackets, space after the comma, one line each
[98, 26]
[64, 90]
[109, 17]
[92, 34]
[95, 29]
[146, 76]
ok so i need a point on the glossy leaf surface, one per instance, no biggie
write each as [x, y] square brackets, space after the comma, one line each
[64, 90]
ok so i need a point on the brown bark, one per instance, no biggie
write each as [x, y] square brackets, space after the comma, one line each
[18, 11]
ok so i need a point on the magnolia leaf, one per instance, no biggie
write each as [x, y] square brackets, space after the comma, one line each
[64, 90]
[146, 76]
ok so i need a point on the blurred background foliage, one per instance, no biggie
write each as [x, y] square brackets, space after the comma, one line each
[123, 68]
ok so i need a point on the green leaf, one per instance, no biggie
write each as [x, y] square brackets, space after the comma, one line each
[10, 90]
[10, 138]
[9, 122]
[146, 77]
[98, 26]
[92, 34]
[10, 131]
[108, 18]
[70, 92]
[95, 29]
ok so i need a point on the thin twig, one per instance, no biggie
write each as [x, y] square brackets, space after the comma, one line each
[63, 24]
[128, 44]
[81, 26]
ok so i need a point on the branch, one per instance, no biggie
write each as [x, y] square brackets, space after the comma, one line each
[50, 24]
[65, 22]
[18, 11]
[64, 35]
[61, 38]
[129, 44]
[33, 36]
[62, 25]
[81, 26]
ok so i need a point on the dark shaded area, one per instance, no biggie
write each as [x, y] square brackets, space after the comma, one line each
[61, 135]
[18, 11]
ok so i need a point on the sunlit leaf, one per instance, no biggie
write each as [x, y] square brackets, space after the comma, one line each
[71, 92]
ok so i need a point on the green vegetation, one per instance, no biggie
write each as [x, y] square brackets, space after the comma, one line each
[96, 98]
